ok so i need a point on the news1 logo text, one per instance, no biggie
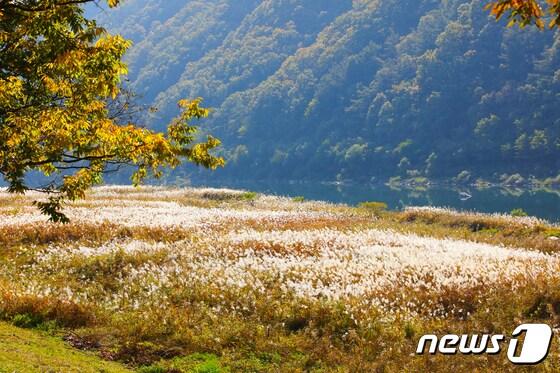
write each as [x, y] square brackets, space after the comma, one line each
[533, 350]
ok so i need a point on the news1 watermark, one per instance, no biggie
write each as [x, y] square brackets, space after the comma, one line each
[532, 350]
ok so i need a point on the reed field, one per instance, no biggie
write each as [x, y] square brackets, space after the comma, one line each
[158, 279]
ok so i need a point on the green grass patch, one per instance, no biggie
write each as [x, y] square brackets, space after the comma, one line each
[249, 196]
[373, 207]
[23, 350]
[490, 231]
[195, 363]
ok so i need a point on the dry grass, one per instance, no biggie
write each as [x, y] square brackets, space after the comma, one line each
[179, 280]
[498, 230]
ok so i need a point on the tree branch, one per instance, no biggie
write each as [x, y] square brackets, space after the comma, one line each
[8, 4]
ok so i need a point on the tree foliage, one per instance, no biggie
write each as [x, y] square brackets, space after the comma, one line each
[355, 89]
[526, 12]
[59, 73]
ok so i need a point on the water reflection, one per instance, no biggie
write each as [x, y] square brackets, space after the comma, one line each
[544, 203]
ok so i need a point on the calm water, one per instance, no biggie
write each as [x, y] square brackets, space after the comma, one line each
[542, 203]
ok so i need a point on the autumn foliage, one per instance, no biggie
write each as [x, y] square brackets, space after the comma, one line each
[526, 12]
[58, 73]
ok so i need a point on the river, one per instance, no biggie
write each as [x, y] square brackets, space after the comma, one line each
[543, 203]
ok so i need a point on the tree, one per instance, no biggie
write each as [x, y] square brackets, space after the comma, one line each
[59, 73]
[526, 12]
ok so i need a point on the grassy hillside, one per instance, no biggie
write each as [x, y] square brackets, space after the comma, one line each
[26, 351]
[207, 280]
[353, 89]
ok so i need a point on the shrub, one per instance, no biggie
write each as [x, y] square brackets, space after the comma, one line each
[374, 207]
[552, 233]
[518, 212]
[26, 320]
[249, 196]
[31, 311]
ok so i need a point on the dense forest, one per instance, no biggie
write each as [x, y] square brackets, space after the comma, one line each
[362, 90]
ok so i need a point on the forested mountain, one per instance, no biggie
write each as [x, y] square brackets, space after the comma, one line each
[326, 89]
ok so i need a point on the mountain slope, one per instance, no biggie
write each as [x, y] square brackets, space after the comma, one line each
[362, 89]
